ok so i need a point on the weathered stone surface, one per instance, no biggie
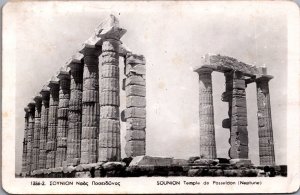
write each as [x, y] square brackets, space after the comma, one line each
[135, 59]
[135, 90]
[135, 135]
[136, 69]
[109, 98]
[135, 123]
[108, 166]
[149, 160]
[135, 101]
[135, 112]
[135, 148]
[205, 161]
[109, 112]
[240, 162]
[135, 80]
[179, 162]
[86, 174]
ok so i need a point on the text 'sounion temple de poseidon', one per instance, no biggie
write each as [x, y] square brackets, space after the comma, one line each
[73, 124]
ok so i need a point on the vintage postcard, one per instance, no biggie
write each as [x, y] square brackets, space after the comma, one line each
[150, 97]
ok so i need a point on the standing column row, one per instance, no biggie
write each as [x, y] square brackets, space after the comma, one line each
[75, 110]
[135, 113]
[62, 116]
[206, 112]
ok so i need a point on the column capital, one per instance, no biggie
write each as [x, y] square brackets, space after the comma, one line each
[38, 100]
[26, 109]
[91, 46]
[202, 70]
[45, 92]
[75, 61]
[110, 29]
[124, 50]
[53, 82]
[264, 78]
[63, 73]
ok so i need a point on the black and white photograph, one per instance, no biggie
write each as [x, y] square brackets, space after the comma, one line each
[150, 97]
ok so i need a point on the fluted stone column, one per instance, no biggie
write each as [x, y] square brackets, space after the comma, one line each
[62, 116]
[90, 105]
[36, 134]
[109, 137]
[45, 92]
[265, 130]
[206, 111]
[75, 110]
[52, 122]
[135, 113]
[239, 133]
[30, 135]
[24, 153]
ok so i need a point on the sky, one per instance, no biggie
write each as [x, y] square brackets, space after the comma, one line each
[172, 36]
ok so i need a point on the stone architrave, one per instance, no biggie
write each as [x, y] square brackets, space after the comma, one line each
[24, 153]
[52, 122]
[206, 112]
[109, 135]
[36, 134]
[62, 116]
[30, 135]
[45, 92]
[265, 130]
[75, 110]
[135, 113]
[239, 133]
[90, 102]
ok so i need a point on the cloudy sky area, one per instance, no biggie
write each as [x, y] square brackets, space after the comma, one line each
[173, 37]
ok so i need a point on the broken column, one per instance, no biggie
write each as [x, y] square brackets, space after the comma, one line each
[135, 113]
[206, 112]
[90, 103]
[227, 97]
[265, 130]
[30, 135]
[109, 135]
[45, 92]
[62, 116]
[52, 122]
[238, 133]
[75, 110]
[24, 153]
[36, 134]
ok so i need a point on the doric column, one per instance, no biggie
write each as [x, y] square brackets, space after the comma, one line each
[36, 134]
[135, 113]
[90, 104]
[265, 130]
[45, 92]
[109, 137]
[30, 135]
[238, 133]
[24, 153]
[75, 110]
[206, 112]
[62, 116]
[52, 122]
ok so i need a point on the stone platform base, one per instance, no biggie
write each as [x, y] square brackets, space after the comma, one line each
[162, 166]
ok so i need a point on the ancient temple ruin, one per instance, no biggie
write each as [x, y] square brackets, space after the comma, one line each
[237, 76]
[75, 118]
[72, 126]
